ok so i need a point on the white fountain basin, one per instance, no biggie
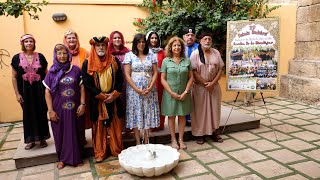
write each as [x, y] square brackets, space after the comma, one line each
[137, 160]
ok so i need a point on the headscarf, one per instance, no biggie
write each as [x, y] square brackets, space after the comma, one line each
[76, 50]
[95, 64]
[26, 36]
[154, 49]
[122, 49]
[203, 34]
[58, 68]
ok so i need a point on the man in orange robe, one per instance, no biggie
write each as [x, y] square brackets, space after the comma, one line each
[102, 77]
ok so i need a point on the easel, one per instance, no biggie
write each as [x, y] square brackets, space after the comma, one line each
[264, 102]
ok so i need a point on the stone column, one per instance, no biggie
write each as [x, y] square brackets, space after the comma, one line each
[303, 79]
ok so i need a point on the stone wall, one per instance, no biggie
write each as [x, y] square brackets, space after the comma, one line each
[303, 79]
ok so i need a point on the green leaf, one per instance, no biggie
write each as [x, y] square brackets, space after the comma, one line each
[16, 8]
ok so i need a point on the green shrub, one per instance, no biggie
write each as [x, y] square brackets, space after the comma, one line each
[17, 7]
[168, 17]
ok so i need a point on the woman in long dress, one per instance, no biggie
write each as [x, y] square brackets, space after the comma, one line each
[154, 43]
[117, 48]
[65, 99]
[28, 70]
[176, 78]
[140, 69]
[79, 54]
[206, 93]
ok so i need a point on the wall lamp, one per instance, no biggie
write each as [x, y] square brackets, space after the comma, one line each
[58, 17]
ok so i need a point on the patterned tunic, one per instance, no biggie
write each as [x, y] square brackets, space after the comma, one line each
[29, 77]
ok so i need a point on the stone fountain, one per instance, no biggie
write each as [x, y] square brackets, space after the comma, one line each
[149, 159]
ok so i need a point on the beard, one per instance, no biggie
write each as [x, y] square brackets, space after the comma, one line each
[101, 53]
[206, 46]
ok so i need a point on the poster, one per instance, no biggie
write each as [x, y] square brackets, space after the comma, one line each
[253, 55]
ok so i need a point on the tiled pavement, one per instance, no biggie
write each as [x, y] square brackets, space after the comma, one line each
[252, 154]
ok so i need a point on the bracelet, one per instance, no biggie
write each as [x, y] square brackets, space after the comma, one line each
[186, 91]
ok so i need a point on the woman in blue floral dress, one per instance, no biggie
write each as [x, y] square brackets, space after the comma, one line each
[140, 70]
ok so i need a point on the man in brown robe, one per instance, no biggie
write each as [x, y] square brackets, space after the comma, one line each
[102, 77]
[206, 92]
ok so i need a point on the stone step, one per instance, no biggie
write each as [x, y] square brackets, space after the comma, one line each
[238, 121]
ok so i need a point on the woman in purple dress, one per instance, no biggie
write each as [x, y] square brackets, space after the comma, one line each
[66, 104]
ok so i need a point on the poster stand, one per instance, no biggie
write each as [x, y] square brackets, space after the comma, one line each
[264, 102]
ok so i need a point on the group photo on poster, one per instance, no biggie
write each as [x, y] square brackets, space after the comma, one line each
[253, 55]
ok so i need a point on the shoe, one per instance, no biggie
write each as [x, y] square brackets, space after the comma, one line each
[200, 140]
[216, 138]
[174, 144]
[81, 164]
[188, 123]
[30, 146]
[43, 144]
[99, 160]
[60, 165]
[182, 145]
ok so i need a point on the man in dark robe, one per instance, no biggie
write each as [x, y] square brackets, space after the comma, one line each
[102, 77]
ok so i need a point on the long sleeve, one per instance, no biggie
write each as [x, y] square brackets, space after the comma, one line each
[119, 78]
[88, 80]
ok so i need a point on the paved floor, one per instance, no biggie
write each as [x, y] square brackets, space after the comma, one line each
[252, 154]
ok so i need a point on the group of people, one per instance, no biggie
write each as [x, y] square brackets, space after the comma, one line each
[112, 89]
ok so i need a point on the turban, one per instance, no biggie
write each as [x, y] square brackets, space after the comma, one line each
[187, 30]
[96, 63]
[26, 36]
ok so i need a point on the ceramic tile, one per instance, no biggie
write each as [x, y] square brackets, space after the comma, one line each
[223, 169]
[270, 168]
[309, 168]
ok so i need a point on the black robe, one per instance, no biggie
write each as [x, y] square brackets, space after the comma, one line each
[89, 84]
[35, 123]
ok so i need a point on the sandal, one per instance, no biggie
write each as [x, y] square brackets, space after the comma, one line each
[182, 145]
[200, 140]
[216, 138]
[60, 165]
[174, 144]
[29, 146]
[43, 144]
[99, 160]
